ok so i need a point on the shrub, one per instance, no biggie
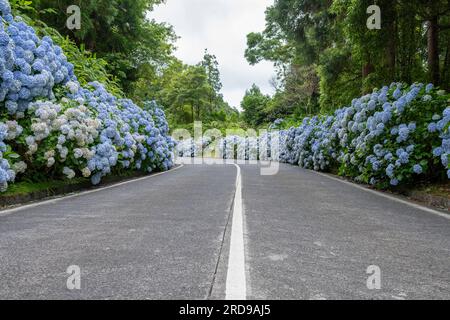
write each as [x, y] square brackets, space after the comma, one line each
[393, 136]
[50, 125]
[389, 137]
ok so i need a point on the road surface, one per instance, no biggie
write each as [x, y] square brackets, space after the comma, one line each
[182, 235]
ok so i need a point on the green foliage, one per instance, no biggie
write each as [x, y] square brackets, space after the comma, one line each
[132, 55]
[325, 54]
[254, 105]
[116, 31]
[117, 39]
[87, 66]
[192, 93]
[211, 66]
[21, 5]
[27, 187]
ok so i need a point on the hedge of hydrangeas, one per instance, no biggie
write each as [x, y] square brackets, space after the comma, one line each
[389, 137]
[231, 147]
[393, 136]
[51, 126]
[190, 148]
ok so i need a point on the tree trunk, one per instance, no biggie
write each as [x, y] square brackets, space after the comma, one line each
[391, 53]
[391, 49]
[391, 45]
[368, 68]
[433, 50]
[446, 71]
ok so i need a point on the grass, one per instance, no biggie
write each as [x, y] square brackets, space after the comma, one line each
[437, 189]
[23, 188]
[27, 187]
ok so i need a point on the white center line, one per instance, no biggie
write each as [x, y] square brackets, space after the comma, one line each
[236, 288]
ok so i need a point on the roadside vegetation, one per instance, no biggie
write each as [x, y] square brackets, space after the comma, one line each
[326, 56]
[54, 127]
[103, 100]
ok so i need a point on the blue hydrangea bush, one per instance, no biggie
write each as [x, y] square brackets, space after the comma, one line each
[396, 135]
[390, 137]
[249, 148]
[228, 146]
[190, 148]
[51, 126]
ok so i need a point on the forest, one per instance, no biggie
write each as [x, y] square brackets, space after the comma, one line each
[323, 52]
[133, 56]
[325, 55]
[367, 103]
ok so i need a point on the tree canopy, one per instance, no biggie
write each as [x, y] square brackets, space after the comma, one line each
[133, 55]
[323, 51]
[325, 54]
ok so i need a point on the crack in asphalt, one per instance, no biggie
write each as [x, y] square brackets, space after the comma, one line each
[222, 244]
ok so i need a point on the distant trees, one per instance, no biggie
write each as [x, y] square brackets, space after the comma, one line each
[192, 93]
[190, 89]
[326, 55]
[254, 106]
[135, 55]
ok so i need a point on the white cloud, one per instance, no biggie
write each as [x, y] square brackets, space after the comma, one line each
[221, 26]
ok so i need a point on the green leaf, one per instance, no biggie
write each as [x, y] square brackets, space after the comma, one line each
[13, 156]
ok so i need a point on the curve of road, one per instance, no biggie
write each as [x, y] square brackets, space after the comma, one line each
[193, 233]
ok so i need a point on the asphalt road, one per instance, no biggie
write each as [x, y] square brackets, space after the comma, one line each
[173, 236]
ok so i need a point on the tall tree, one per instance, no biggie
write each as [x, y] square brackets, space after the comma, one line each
[116, 30]
[254, 104]
[211, 66]
[328, 41]
[435, 14]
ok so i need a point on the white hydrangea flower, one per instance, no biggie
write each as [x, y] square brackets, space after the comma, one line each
[14, 130]
[86, 172]
[33, 148]
[29, 140]
[50, 162]
[69, 173]
[77, 153]
[73, 87]
[63, 152]
[19, 167]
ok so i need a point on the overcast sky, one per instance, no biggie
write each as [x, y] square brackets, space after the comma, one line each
[221, 26]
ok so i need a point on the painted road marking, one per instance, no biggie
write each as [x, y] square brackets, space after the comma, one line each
[55, 200]
[236, 286]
